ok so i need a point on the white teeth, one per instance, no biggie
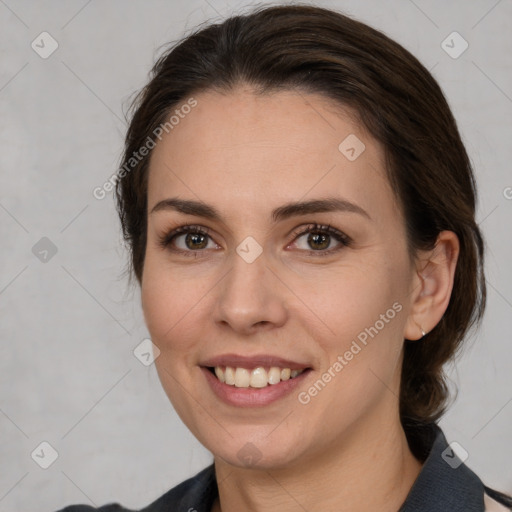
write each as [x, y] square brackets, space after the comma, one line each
[229, 376]
[285, 373]
[220, 373]
[242, 378]
[274, 375]
[257, 378]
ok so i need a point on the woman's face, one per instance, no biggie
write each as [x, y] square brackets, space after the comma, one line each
[256, 291]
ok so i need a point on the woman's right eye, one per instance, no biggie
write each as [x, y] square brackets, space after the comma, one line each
[186, 239]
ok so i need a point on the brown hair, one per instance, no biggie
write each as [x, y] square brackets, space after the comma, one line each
[398, 101]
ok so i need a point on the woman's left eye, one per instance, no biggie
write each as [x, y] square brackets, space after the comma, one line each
[196, 239]
[320, 237]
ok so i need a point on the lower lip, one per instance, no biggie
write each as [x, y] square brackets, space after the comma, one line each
[252, 397]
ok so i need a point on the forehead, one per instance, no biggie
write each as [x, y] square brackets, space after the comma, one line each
[247, 149]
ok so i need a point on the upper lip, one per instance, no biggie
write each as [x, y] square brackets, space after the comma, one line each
[263, 360]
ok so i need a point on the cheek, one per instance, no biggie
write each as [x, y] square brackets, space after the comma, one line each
[170, 303]
[355, 296]
[363, 313]
[361, 359]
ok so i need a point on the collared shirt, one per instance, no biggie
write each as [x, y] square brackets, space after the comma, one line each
[444, 484]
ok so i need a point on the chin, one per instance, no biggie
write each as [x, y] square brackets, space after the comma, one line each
[256, 452]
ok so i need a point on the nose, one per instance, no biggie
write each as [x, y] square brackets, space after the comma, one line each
[250, 297]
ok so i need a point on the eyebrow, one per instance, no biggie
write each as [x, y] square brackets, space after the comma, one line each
[201, 209]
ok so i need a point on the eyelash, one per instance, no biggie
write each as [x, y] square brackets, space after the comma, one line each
[165, 240]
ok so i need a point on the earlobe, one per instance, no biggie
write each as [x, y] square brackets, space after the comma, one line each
[423, 333]
[436, 275]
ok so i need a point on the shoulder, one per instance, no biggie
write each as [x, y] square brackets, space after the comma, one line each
[496, 501]
[200, 489]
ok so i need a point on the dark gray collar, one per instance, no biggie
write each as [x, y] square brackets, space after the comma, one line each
[444, 483]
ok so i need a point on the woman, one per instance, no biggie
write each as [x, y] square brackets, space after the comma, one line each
[300, 210]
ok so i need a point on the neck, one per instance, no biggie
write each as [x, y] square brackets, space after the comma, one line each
[370, 468]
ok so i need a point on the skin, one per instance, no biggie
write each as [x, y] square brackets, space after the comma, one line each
[246, 154]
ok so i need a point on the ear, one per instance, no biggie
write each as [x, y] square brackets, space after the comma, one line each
[432, 285]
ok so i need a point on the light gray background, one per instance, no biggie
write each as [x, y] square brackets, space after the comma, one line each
[68, 326]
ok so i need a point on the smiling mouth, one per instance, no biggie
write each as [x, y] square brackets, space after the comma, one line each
[259, 377]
